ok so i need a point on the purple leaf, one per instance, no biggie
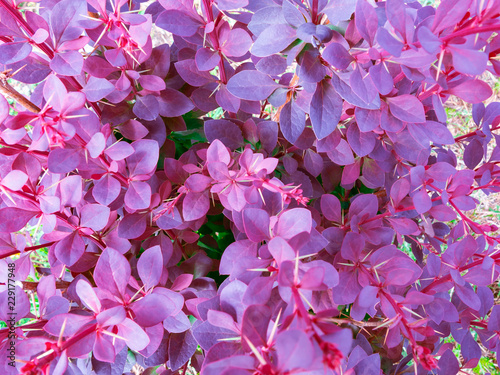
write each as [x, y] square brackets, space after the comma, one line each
[152, 82]
[106, 189]
[326, 108]
[448, 13]
[330, 207]
[231, 5]
[256, 223]
[367, 120]
[71, 191]
[407, 108]
[13, 52]
[448, 364]
[206, 59]
[273, 39]
[181, 348]
[366, 20]
[342, 154]
[64, 19]
[292, 121]
[381, 78]
[146, 107]
[178, 22]
[174, 103]
[272, 65]
[67, 63]
[235, 43]
[337, 55]
[251, 85]
[294, 350]
[189, 72]
[15, 180]
[388, 42]
[177, 324]
[473, 153]
[422, 201]
[63, 160]
[226, 100]
[97, 88]
[133, 129]
[88, 296]
[119, 151]
[429, 41]
[4, 108]
[134, 335]
[254, 326]
[468, 61]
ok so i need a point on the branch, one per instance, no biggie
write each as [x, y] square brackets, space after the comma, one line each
[7, 89]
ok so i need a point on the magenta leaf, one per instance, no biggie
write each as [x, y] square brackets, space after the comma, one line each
[256, 224]
[88, 296]
[152, 309]
[94, 216]
[150, 267]
[134, 335]
[195, 206]
[112, 272]
[143, 160]
[70, 249]
[293, 222]
[138, 195]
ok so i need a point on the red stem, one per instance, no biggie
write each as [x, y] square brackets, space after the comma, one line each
[469, 31]
[30, 248]
[458, 139]
[207, 8]
[314, 14]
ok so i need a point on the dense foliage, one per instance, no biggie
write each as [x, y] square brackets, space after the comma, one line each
[274, 191]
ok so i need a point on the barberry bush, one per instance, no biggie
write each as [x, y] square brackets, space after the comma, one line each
[271, 189]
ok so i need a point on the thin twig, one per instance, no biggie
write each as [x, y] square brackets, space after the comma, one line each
[7, 89]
